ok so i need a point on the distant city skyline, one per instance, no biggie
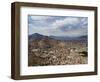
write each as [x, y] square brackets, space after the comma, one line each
[58, 25]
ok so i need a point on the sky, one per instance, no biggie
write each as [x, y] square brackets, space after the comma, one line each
[58, 25]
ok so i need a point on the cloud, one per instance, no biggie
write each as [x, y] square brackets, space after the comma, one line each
[66, 21]
[58, 25]
[39, 17]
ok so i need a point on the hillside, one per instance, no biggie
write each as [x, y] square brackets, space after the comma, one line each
[46, 50]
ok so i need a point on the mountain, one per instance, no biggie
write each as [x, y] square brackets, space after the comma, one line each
[61, 37]
[37, 36]
[41, 41]
[83, 37]
[69, 38]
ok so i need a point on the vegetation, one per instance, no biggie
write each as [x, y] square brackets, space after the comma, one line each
[85, 53]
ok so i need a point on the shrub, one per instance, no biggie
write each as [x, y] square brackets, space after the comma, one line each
[85, 53]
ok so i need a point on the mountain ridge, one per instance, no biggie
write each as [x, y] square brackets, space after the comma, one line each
[37, 36]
